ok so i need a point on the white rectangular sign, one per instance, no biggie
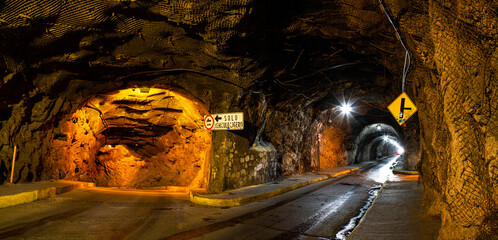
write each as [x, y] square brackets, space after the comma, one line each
[224, 121]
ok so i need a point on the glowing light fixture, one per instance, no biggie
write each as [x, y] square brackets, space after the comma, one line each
[346, 108]
[144, 90]
[344, 111]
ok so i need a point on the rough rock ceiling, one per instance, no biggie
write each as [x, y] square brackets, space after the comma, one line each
[288, 47]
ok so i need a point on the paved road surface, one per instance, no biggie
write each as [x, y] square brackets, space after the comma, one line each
[316, 211]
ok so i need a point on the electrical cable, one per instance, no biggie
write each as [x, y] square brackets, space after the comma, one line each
[179, 70]
[320, 71]
[407, 63]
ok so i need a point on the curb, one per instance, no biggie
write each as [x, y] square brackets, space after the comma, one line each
[369, 208]
[217, 202]
[406, 172]
[40, 193]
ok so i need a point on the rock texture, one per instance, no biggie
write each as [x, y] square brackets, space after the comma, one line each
[333, 145]
[284, 63]
[455, 84]
[132, 138]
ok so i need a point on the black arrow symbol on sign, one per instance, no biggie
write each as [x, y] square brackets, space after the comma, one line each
[403, 108]
[217, 118]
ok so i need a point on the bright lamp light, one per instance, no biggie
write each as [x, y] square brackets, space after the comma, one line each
[346, 108]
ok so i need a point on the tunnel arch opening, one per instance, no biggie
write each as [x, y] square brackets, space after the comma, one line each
[375, 141]
[140, 137]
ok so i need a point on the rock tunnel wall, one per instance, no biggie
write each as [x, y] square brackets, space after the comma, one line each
[333, 147]
[454, 83]
[59, 54]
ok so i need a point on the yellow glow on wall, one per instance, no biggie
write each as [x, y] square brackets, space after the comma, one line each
[332, 150]
[135, 138]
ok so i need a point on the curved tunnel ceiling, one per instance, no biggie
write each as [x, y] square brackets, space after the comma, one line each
[293, 51]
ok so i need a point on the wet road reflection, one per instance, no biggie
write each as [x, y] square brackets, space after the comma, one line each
[344, 233]
[384, 173]
[330, 211]
[323, 213]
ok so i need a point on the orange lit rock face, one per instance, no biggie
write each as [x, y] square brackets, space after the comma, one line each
[332, 149]
[133, 138]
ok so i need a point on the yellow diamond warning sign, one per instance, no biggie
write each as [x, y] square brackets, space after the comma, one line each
[402, 108]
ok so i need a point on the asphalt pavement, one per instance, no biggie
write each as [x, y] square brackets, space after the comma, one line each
[321, 205]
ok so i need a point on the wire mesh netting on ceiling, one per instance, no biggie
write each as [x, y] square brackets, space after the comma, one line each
[60, 17]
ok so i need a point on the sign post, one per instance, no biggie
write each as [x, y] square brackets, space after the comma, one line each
[224, 121]
[402, 108]
[13, 164]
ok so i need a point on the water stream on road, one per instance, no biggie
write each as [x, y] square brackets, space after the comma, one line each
[341, 235]
[381, 175]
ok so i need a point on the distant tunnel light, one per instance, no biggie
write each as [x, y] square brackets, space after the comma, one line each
[399, 148]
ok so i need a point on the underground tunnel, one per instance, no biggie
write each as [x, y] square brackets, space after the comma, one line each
[115, 93]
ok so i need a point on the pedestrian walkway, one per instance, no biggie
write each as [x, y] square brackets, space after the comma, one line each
[395, 214]
[15, 194]
[254, 193]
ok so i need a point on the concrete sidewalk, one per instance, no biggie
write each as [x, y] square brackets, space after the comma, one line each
[15, 194]
[257, 192]
[399, 168]
[395, 214]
